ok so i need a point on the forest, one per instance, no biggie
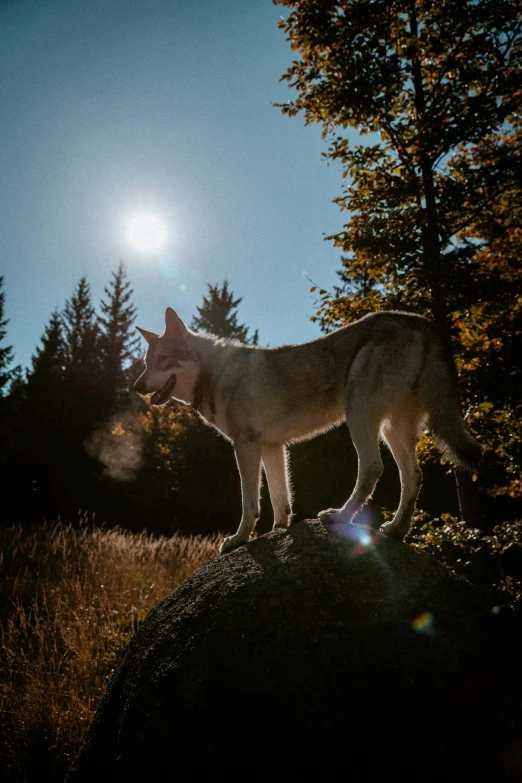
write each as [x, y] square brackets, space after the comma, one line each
[431, 204]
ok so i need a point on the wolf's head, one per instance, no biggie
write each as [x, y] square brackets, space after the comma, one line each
[170, 367]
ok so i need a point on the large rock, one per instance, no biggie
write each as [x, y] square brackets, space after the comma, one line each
[309, 652]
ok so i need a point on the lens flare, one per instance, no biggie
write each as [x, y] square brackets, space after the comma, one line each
[360, 534]
[423, 623]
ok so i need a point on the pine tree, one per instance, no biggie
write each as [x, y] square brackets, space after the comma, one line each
[49, 360]
[10, 394]
[85, 403]
[216, 315]
[7, 428]
[43, 451]
[118, 341]
[6, 352]
[80, 329]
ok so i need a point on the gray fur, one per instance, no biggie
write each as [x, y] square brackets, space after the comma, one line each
[388, 374]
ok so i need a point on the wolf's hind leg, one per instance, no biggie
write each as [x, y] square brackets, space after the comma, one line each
[401, 437]
[366, 401]
[248, 457]
[275, 463]
[364, 430]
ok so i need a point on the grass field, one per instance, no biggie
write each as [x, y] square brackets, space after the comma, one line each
[71, 597]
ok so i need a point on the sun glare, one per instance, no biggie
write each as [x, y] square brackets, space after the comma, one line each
[146, 232]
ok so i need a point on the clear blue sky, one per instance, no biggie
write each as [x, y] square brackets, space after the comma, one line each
[112, 107]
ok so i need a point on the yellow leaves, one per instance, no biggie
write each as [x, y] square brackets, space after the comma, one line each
[449, 520]
[471, 365]
[336, 311]
[163, 449]
[513, 490]
[457, 546]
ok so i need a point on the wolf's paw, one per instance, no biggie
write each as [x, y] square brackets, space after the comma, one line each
[396, 532]
[230, 543]
[330, 516]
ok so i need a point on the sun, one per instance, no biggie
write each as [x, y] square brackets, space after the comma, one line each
[146, 232]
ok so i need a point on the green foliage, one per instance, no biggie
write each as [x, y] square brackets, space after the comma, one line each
[216, 315]
[434, 198]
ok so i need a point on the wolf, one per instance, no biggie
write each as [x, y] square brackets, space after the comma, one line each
[388, 375]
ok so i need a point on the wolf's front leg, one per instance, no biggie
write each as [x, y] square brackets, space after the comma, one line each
[275, 462]
[248, 457]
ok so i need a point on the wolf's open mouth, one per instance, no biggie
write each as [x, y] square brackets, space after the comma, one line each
[162, 396]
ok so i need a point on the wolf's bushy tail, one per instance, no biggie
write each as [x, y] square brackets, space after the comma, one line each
[439, 390]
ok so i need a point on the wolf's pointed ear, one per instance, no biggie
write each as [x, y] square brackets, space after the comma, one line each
[173, 323]
[150, 337]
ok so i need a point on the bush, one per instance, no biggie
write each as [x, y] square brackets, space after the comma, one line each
[490, 560]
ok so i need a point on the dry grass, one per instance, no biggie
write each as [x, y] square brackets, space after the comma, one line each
[71, 597]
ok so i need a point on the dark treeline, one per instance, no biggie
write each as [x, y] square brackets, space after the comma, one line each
[79, 377]
[75, 437]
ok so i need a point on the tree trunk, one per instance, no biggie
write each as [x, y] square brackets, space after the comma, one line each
[435, 265]
[467, 498]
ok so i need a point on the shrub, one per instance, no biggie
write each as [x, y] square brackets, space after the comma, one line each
[490, 560]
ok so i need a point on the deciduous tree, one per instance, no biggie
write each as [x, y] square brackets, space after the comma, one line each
[434, 86]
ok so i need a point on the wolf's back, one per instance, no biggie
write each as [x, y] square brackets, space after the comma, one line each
[439, 390]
